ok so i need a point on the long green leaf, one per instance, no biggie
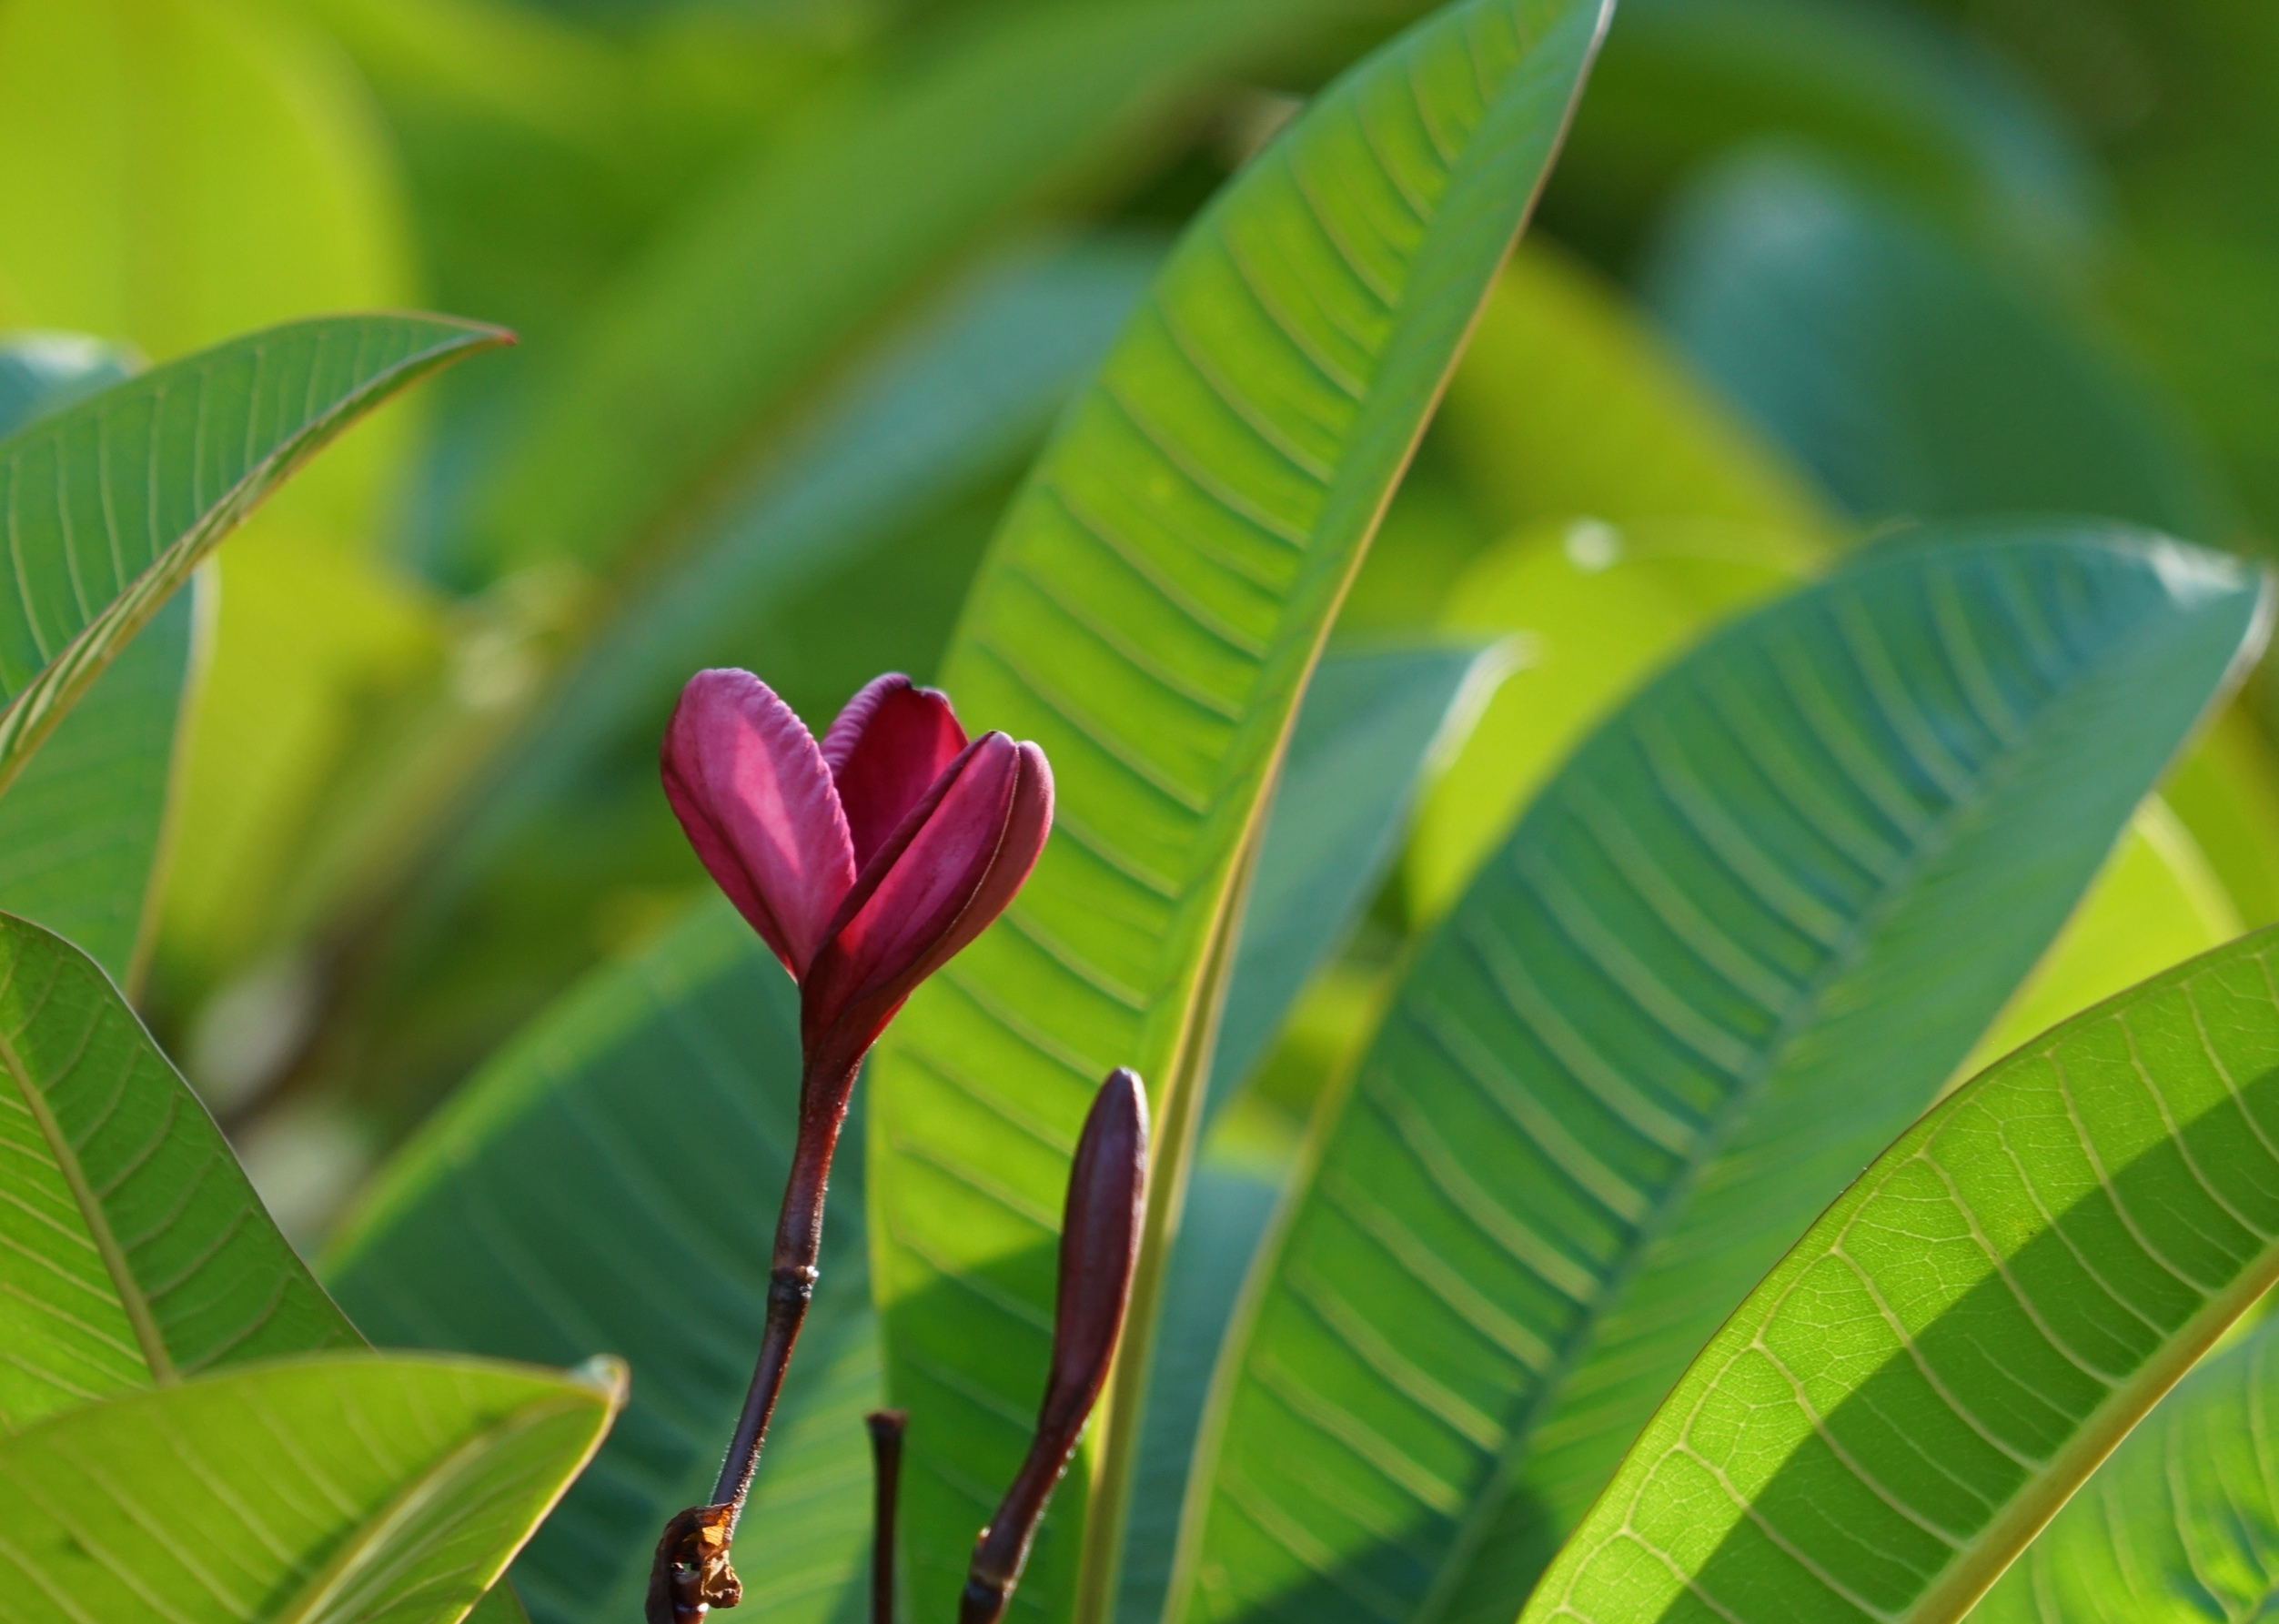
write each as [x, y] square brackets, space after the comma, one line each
[2180, 1522]
[108, 507]
[333, 1490]
[1735, 944]
[1909, 377]
[82, 829]
[135, 1251]
[1149, 614]
[833, 224]
[1956, 1345]
[609, 1183]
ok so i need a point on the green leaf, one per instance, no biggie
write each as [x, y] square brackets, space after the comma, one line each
[329, 1490]
[1908, 377]
[1149, 614]
[1595, 609]
[1570, 405]
[1741, 940]
[839, 219]
[1956, 1345]
[1895, 93]
[81, 830]
[2180, 1522]
[111, 503]
[609, 1182]
[1369, 720]
[134, 1250]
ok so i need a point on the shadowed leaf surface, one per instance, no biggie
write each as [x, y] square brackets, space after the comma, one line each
[1960, 1340]
[1738, 940]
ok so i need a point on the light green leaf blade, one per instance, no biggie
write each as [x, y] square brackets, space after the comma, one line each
[135, 1249]
[82, 828]
[839, 219]
[1369, 720]
[1149, 614]
[609, 1184]
[2182, 1521]
[1737, 943]
[1955, 1346]
[110, 504]
[1909, 377]
[352, 1489]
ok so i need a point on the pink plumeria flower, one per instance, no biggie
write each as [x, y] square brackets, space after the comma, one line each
[865, 861]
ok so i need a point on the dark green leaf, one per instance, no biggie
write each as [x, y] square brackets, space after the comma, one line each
[1908, 378]
[1960, 1340]
[1149, 614]
[1739, 940]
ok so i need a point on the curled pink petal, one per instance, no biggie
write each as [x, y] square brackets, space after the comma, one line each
[884, 751]
[939, 880]
[749, 786]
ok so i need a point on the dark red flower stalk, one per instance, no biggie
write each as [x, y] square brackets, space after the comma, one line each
[865, 861]
[886, 1471]
[1100, 1238]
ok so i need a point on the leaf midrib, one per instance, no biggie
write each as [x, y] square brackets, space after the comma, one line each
[1843, 957]
[136, 1307]
[371, 1536]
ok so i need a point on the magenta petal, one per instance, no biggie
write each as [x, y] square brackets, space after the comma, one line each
[938, 883]
[884, 751]
[749, 784]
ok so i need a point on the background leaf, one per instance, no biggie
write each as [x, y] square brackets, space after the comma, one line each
[1910, 379]
[1752, 925]
[1961, 1340]
[135, 1251]
[609, 1183]
[333, 1489]
[1148, 613]
[1368, 723]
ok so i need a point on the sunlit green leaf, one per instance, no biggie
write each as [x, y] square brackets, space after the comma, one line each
[1960, 1340]
[135, 1251]
[1737, 942]
[331, 1490]
[2180, 1522]
[609, 1184]
[1149, 614]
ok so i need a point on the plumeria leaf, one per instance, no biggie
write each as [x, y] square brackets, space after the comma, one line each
[609, 1182]
[134, 1250]
[82, 829]
[1954, 1348]
[111, 503]
[327, 1490]
[1149, 613]
[1754, 924]
[2181, 1521]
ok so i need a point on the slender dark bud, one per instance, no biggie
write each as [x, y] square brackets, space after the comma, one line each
[1100, 1237]
[886, 1459]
